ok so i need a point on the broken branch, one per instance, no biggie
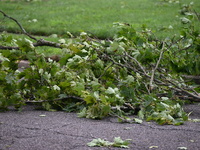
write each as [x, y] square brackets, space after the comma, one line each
[154, 70]
[40, 42]
[21, 27]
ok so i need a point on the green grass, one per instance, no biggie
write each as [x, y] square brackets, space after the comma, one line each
[94, 16]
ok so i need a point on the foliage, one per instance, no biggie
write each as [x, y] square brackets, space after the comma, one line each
[127, 75]
[118, 142]
[46, 17]
[187, 58]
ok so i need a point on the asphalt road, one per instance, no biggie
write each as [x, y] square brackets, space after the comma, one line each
[42, 130]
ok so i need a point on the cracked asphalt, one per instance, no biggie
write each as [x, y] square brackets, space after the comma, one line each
[42, 130]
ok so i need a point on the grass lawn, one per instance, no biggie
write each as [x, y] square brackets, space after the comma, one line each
[45, 17]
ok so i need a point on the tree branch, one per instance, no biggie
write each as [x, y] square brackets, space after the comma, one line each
[138, 63]
[179, 89]
[154, 70]
[21, 27]
[8, 47]
[170, 84]
[39, 42]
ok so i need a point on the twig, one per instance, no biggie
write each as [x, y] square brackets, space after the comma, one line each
[138, 63]
[197, 15]
[191, 77]
[39, 42]
[43, 42]
[149, 92]
[105, 70]
[8, 47]
[153, 71]
[21, 27]
[182, 49]
[179, 89]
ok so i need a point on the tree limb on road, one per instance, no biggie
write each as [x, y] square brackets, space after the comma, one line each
[140, 69]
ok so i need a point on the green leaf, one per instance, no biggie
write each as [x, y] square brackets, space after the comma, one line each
[130, 79]
[185, 20]
[9, 39]
[183, 148]
[141, 114]
[2, 58]
[79, 87]
[25, 45]
[118, 142]
[99, 143]
[99, 63]
[138, 120]
[110, 91]
[105, 110]
[10, 78]
[74, 48]
[89, 99]
[153, 147]
[83, 113]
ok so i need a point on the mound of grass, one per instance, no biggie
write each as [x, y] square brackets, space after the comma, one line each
[45, 17]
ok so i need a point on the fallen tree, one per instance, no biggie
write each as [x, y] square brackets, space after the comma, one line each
[135, 73]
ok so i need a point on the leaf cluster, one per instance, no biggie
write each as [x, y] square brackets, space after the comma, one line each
[118, 142]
